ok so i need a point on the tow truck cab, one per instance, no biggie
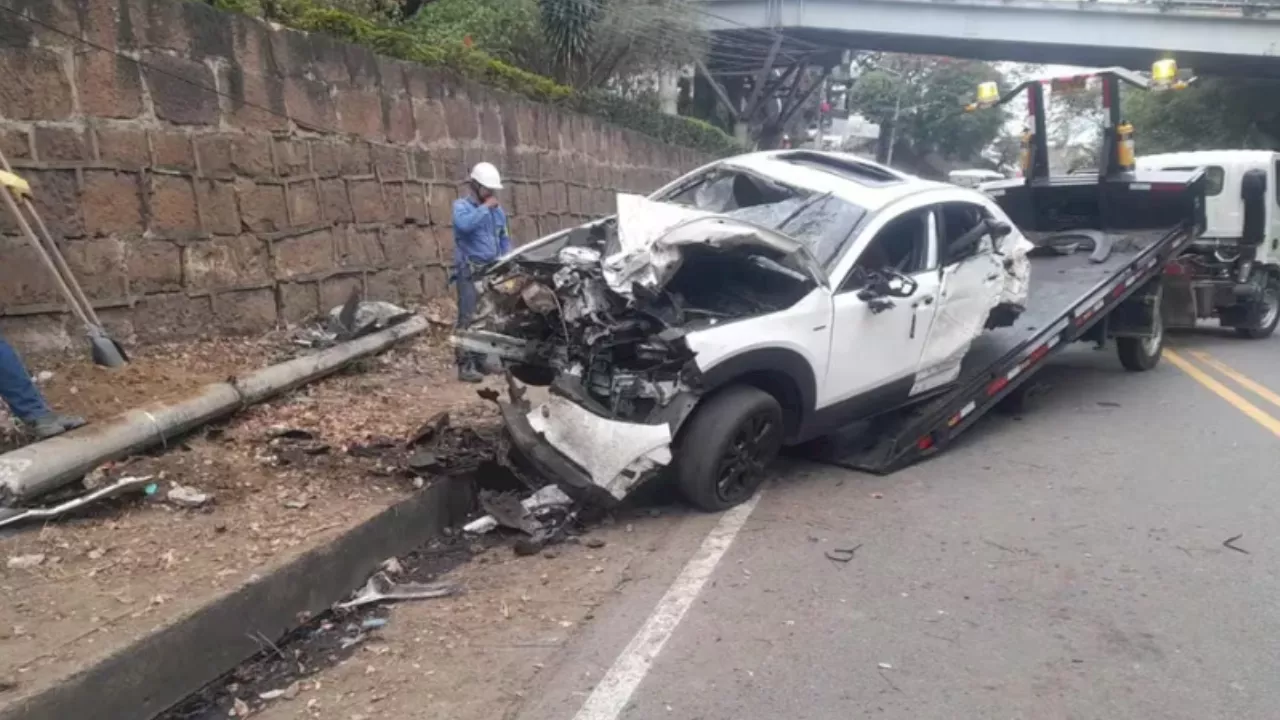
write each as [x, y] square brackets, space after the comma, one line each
[1232, 271]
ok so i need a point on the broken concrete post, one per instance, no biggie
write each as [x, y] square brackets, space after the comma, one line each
[36, 469]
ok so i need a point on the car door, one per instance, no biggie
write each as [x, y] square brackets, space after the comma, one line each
[970, 280]
[876, 342]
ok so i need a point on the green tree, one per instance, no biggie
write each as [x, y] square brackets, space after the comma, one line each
[1213, 113]
[919, 103]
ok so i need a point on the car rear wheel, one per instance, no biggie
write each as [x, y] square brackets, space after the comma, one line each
[726, 448]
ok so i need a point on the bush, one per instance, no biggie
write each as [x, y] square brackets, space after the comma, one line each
[485, 69]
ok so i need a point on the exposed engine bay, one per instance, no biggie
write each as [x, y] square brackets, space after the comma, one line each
[601, 311]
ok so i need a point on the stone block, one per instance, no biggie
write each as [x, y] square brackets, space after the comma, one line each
[491, 126]
[23, 280]
[422, 166]
[460, 118]
[390, 162]
[37, 334]
[109, 86]
[293, 158]
[173, 151]
[429, 119]
[181, 89]
[393, 193]
[298, 302]
[402, 286]
[112, 203]
[251, 156]
[356, 159]
[326, 158]
[367, 201]
[154, 266]
[360, 113]
[218, 207]
[58, 144]
[226, 262]
[16, 144]
[335, 291]
[99, 265]
[441, 202]
[304, 255]
[401, 127]
[36, 86]
[443, 237]
[415, 203]
[56, 195]
[214, 153]
[123, 149]
[359, 248]
[172, 206]
[262, 207]
[256, 102]
[408, 245]
[245, 312]
[309, 104]
[435, 283]
[304, 203]
[335, 204]
[170, 316]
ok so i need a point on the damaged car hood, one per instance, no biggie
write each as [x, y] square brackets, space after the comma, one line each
[651, 236]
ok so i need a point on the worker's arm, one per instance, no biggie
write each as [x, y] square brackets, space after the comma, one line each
[467, 216]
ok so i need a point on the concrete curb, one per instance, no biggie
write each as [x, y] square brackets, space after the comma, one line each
[161, 668]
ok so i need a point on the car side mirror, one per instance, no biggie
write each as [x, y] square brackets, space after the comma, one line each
[888, 284]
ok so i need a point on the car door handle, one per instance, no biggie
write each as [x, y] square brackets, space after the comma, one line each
[923, 301]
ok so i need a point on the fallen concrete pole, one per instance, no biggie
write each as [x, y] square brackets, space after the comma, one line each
[36, 469]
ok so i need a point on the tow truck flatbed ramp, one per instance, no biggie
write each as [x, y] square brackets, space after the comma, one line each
[1068, 296]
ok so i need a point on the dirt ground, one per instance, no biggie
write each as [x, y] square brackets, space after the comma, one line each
[76, 589]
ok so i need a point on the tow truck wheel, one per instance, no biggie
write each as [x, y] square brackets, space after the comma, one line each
[1142, 354]
[1268, 314]
[726, 448]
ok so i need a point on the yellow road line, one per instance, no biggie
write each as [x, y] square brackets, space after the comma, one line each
[1258, 389]
[1224, 392]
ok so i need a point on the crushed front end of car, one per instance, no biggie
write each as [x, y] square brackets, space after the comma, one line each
[599, 315]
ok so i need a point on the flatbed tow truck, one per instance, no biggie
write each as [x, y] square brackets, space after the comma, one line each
[1133, 221]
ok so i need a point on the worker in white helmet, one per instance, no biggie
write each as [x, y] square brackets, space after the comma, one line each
[479, 237]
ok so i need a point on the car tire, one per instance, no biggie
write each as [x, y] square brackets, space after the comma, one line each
[1142, 354]
[726, 448]
[1269, 315]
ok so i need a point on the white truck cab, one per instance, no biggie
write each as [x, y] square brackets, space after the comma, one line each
[1232, 271]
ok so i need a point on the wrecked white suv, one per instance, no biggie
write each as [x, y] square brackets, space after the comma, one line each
[760, 301]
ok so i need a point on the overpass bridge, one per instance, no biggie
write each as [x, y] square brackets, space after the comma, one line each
[1219, 37]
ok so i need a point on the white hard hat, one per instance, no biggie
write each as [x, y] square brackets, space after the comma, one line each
[487, 175]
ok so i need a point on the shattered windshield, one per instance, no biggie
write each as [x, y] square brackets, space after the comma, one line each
[820, 223]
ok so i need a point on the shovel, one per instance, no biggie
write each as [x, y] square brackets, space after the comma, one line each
[105, 350]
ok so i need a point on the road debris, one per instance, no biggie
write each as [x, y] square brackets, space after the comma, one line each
[353, 319]
[373, 623]
[885, 666]
[187, 497]
[843, 555]
[14, 516]
[25, 562]
[381, 588]
[536, 506]
[1229, 544]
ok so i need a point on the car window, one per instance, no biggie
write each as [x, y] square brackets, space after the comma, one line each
[824, 227]
[722, 190]
[902, 246]
[958, 218]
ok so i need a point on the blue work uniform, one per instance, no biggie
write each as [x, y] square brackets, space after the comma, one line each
[479, 236]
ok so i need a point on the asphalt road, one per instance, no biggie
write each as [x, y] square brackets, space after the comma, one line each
[1065, 564]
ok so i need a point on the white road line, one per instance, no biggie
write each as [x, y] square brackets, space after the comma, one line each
[610, 697]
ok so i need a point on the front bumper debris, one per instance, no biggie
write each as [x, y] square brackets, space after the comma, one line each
[587, 455]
